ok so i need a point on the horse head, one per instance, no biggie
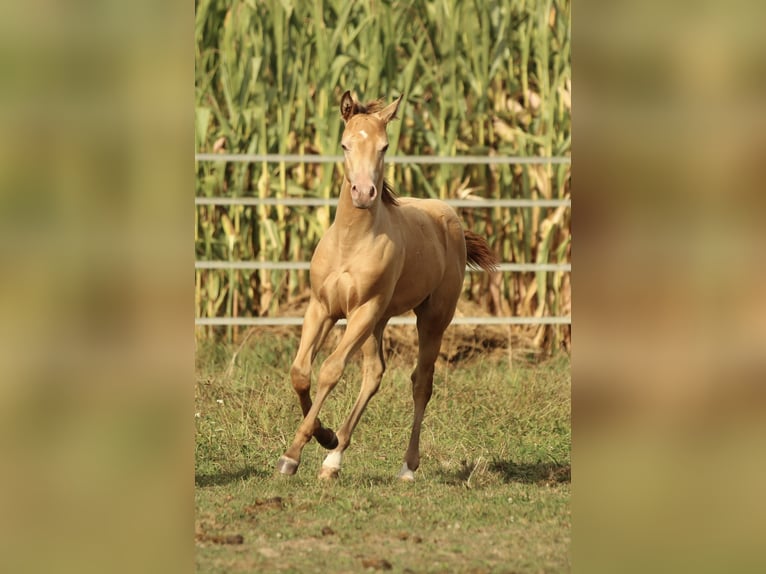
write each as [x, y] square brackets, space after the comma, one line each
[364, 144]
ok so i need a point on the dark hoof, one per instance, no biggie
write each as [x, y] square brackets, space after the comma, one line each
[286, 465]
[327, 438]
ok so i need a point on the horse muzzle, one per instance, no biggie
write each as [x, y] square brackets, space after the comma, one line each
[363, 196]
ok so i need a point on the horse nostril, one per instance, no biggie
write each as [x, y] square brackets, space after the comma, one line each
[365, 192]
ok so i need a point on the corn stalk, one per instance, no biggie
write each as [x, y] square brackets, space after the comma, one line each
[479, 78]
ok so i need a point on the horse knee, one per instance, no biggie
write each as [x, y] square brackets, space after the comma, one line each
[374, 371]
[374, 384]
[300, 378]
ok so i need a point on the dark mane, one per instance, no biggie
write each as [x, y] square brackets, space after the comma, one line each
[370, 107]
[388, 196]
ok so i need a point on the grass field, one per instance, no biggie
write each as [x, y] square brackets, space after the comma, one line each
[492, 493]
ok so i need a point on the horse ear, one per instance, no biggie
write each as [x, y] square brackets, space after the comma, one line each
[347, 106]
[389, 112]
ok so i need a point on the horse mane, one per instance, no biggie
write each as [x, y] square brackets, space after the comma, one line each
[370, 107]
[388, 196]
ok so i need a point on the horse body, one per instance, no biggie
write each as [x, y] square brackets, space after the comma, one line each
[403, 259]
[381, 257]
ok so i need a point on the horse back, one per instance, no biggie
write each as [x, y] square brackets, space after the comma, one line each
[434, 218]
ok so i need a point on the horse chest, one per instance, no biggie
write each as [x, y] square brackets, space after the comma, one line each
[343, 286]
[345, 275]
[339, 293]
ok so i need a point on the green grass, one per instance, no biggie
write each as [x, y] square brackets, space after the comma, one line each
[491, 495]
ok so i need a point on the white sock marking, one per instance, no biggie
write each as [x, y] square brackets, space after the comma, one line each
[405, 473]
[333, 460]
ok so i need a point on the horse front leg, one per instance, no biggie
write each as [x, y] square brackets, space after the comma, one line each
[359, 327]
[316, 325]
[373, 368]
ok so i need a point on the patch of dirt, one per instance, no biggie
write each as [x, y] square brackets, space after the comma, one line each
[406, 536]
[203, 534]
[376, 563]
[262, 505]
[541, 473]
[219, 538]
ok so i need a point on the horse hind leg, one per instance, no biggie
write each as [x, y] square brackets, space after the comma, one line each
[431, 324]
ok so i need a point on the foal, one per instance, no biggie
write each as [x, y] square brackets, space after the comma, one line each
[381, 257]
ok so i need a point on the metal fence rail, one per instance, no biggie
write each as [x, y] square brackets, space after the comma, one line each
[332, 202]
[419, 159]
[294, 321]
[305, 265]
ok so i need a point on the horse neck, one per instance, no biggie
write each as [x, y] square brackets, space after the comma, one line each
[354, 224]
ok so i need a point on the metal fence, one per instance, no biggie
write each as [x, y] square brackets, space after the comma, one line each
[316, 202]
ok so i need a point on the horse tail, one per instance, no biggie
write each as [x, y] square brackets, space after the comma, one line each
[478, 252]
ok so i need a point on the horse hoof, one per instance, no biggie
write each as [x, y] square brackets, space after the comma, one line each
[327, 438]
[405, 474]
[328, 473]
[287, 465]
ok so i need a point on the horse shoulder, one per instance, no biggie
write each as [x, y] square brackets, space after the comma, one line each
[380, 268]
[323, 259]
[341, 279]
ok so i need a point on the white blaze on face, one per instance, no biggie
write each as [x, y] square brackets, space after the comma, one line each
[363, 134]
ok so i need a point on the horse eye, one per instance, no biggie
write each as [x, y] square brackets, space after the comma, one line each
[344, 146]
[384, 148]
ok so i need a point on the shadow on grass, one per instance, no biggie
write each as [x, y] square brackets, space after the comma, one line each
[542, 473]
[221, 478]
[533, 473]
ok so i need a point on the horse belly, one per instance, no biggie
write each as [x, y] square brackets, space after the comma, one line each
[422, 273]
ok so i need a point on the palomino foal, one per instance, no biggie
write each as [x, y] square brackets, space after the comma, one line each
[381, 257]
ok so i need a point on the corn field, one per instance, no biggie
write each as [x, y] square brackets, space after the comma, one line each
[479, 78]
